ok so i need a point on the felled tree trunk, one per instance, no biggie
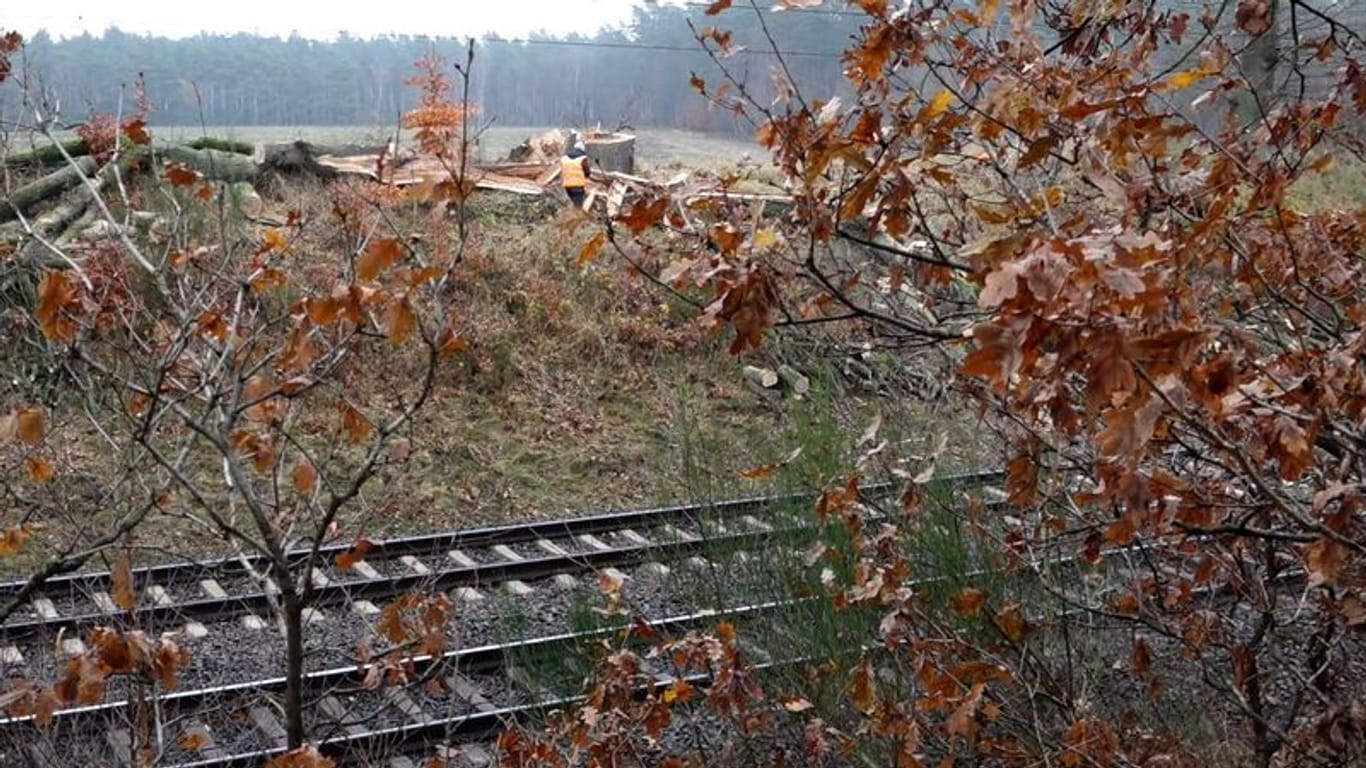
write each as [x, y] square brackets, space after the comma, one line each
[213, 163]
[53, 224]
[48, 155]
[224, 145]
[52, 184]
[302, 157]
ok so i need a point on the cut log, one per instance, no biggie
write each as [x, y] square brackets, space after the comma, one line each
[222, 145]
[48, 155]
[82, 226]
[635, 181]
[763, 377]
[794, 380]
[549, 176]
[301, 157]
[741, 197]
[507, 184]
[213, 163]
[547, 147]
[528, 171]
[37, 191]
[52, 225]
[616, 195]
[613, 152]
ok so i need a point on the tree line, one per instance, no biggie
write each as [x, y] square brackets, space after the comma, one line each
[636, 73]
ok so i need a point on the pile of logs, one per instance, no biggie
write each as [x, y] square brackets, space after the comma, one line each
[607, 150]
[56, 205]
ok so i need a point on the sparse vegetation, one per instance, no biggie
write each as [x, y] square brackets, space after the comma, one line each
[1047, 238]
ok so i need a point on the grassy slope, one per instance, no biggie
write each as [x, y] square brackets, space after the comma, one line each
[584, 391]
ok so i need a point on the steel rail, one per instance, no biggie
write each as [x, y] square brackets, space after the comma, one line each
[340, 592]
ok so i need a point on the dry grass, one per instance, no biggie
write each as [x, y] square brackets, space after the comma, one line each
[1341, 185]
[582, 389]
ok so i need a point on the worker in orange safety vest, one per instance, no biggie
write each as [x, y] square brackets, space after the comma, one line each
[574, 173]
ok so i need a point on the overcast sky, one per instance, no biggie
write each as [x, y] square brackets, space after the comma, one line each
[182, 18]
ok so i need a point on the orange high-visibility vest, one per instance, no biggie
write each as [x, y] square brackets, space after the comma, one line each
[571, 172]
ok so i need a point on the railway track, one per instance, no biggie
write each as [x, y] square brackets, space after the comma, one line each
[467, 693]
[341, 725]
[460, 560]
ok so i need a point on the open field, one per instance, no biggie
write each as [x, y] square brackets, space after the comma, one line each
[655, 147]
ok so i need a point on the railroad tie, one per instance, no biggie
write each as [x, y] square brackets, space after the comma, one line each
[213, 589]
[521, 677]
[120, 745]
[415, 565]
[401, 762]
[676, 533]
[594, 542]
[405, 704]
[201, 735]
[468, 594]
[366, 570]
[476, 756]
[507, 553]
[635, 538]
[310, 615]
[467, 690]
[654, 569]
[551, 548]
[10, 655]
[461, 559]
[320, 580]
[697, 563]
[336, 713]
[44, 608]
[756, 652]
[713, 527]
[159, 595]
[103, 602]
[364, 608]
[266, 722]
[565, 581]
[517, 588]
[73, 646]
[196, 631]
[756, 524]
[253, 622]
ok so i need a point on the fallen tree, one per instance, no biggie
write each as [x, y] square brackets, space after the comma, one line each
[29, 195]
[58, 225]
[48, 155]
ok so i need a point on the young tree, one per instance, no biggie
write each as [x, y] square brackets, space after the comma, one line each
[1060, 197]
[230, 380]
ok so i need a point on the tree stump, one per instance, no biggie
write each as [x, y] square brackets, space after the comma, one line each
[615, 152]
